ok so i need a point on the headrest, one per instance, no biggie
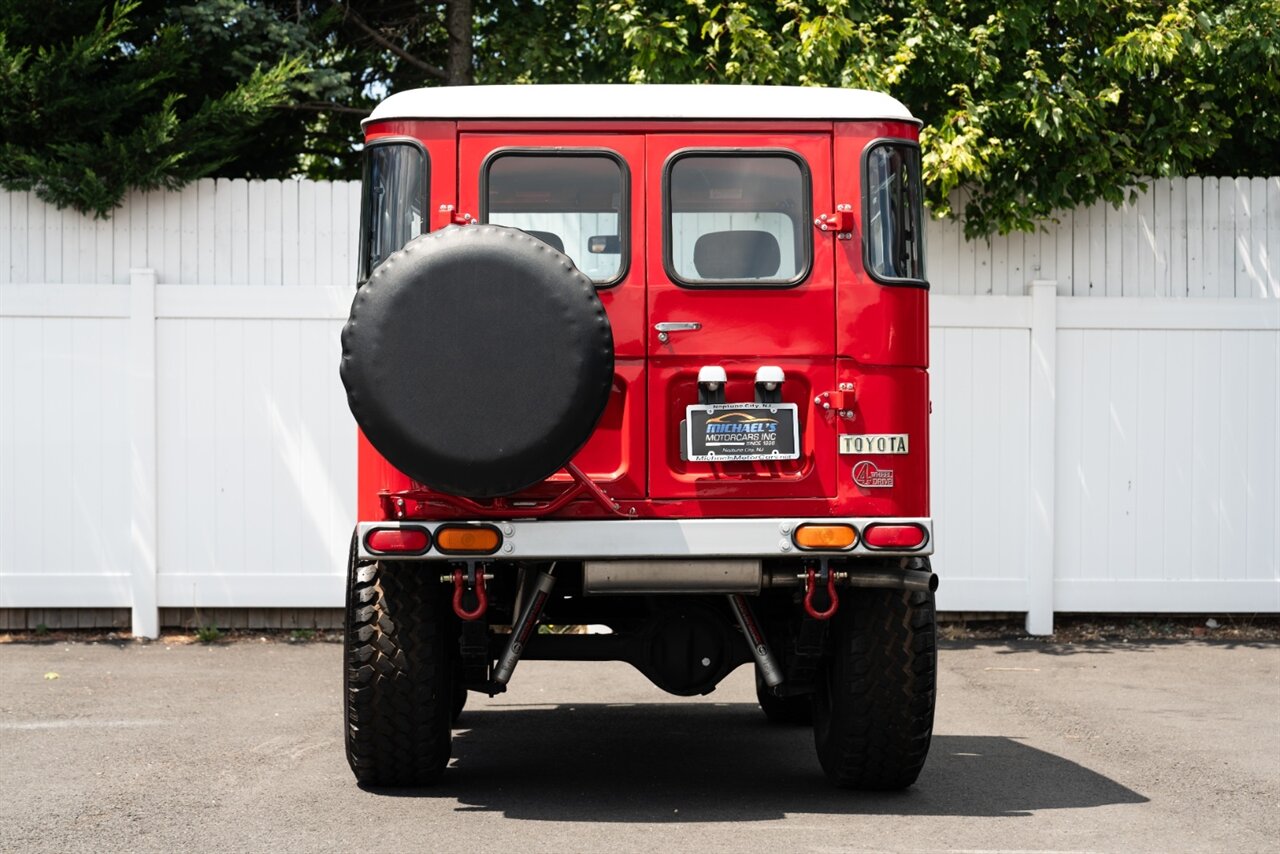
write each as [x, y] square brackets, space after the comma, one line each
[737, 255]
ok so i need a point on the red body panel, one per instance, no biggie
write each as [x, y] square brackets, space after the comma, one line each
[742, 329]
[875, 324]
[813, 475]
[882, 336]
[374, 475]
[838, 326]
[624, 301]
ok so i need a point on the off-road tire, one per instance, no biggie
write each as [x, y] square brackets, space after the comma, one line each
[397, 686]
[873, 708]
[788, 711]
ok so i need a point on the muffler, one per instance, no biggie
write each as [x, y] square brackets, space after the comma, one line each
[615, 577]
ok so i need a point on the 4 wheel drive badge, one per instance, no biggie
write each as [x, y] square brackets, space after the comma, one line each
[868, 476]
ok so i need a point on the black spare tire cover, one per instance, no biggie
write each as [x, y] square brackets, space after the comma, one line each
[477, 360]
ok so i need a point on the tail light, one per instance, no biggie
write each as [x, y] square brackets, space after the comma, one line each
[906, 537]
[468, 539]
[825, 537]
[407, 539]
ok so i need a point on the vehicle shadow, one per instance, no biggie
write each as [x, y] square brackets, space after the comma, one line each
[1103, 647]
[672, 762]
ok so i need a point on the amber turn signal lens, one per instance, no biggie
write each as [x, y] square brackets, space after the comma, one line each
[825, 537]
[468, 539]
[411, 540]
[893, 536]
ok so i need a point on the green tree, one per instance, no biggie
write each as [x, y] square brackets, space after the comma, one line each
[1034, 106]
[96, 99]
[386, 46]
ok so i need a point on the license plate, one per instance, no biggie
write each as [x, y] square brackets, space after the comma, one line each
[728, 432]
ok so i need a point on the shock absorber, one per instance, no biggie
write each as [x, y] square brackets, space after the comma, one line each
[524, 627]
[769, 669]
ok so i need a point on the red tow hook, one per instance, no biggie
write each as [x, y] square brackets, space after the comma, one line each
[460, 589]
[810, 585]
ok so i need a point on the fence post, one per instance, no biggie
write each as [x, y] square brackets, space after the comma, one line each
[1040, 518]
[143, 502]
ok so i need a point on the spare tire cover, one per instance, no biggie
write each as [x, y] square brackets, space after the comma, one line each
[477, 360]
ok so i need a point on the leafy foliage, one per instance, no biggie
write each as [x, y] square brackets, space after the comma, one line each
[94, 103]
[1034, 107]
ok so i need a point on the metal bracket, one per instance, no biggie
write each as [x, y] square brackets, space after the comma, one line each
[840, 222]
[504, 508]
[840, 400]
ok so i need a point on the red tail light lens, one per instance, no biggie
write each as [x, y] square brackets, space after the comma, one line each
[893, 536]
[410, 540]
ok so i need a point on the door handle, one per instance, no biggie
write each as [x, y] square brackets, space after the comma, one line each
[667, 326]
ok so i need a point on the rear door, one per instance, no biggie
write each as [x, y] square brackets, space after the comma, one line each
[579, 193]
[739, 278]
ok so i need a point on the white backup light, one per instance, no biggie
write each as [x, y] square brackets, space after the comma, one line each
[712, 376]
[769, 376]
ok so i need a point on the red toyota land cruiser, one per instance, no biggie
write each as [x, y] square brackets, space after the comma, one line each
[652, 358]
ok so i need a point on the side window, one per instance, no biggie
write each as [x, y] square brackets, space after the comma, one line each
[574, 202]
[893, 225]
[393, 200]
[737, 218]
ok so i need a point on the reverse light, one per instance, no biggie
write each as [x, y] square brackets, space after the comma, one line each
[409, 539]
[468, 539]
[893, 536]
[825, 537]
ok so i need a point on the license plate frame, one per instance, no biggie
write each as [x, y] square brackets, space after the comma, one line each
[756, 441]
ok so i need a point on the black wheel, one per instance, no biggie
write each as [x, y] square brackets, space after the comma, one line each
[793, 711]
[398, 676]
[873, 708]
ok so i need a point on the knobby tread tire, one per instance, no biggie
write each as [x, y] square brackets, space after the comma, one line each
[873, 709]
[398, 674]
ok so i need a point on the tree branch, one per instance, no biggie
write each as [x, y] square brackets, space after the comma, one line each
[363, 25]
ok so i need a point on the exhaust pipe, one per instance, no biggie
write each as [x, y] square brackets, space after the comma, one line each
[915, 580]
[730, 576]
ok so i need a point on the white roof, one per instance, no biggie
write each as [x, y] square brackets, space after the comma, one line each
[645, 101]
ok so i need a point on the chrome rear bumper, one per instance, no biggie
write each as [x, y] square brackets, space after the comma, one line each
[654, 538]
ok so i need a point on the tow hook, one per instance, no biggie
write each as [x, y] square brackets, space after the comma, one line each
[822, 576]
[471, 579]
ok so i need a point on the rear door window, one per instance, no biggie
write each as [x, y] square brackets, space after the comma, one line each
[894, 231]
[737, 218]
[393, 202]
[574, 201]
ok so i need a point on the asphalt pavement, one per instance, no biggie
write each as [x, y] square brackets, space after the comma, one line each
[1091, 747]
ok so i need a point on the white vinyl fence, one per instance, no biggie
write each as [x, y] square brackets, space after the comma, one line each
[172, 432]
